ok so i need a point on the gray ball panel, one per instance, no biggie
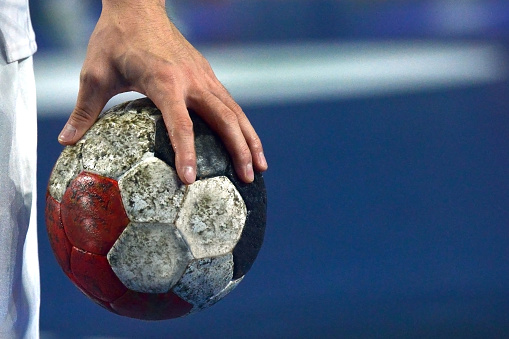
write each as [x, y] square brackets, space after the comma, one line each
[204, 279]
[151, 192]
[211, 301]
[67, 167]
[117, 141]
[212, 217]
[149, 257]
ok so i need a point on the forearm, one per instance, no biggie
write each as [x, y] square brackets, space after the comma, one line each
[129, 12]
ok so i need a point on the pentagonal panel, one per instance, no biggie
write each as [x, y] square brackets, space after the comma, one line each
[94, 275]
[149, 257]
[151, 306]
[204, 278]
[211, 156]
[116, 142]
[92, 213]
[212, 217]
[68, 166]
[151, 192]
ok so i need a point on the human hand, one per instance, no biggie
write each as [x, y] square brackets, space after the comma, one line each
[135, 47]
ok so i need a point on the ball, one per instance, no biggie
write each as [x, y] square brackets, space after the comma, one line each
[135, 239]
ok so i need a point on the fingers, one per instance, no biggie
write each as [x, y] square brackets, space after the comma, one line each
[249, 133]
[236, 132]
[180, 130]
[254, 143]
[91, 100]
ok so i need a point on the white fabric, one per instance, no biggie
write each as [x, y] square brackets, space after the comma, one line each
[18, 38]
[19, 266]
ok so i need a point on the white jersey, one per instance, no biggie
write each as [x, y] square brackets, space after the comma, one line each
[18, 38]
[19, 266]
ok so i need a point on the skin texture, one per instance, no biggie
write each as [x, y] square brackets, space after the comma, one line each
[135, 47]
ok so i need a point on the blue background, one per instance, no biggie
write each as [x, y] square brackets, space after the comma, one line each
[387, 217]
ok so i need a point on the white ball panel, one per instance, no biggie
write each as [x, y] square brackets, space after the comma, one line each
[149, 257]
[67, 167]
[151, 192]
[116, 142]
[212, 217]
[205, 278]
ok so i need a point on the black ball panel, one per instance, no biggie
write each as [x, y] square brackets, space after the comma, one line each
[211, 157]
[250, 242]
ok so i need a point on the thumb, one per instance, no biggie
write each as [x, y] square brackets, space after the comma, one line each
[91, 100]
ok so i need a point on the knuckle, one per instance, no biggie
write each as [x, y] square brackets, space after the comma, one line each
[167, 75]
[82, 115]
[229, 118]
[256, 143]
[244, 155]
[184, 124]
[91, 77]
[181, 127]
[167, 72]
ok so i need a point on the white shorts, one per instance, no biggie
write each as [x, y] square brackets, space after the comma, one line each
[19, 263]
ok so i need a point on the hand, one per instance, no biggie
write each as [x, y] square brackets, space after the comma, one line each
[135, 47]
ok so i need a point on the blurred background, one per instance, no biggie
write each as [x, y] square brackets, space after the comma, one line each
[386, 128]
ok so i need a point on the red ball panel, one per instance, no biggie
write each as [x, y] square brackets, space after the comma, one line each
[99, 302]
[94, 275]
[92, 213]
[149, 306]
[56, 234]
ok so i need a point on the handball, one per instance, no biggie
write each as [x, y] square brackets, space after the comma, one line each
[135, 239]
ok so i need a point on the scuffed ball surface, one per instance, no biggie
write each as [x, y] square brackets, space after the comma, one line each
[136, 240]
[212, 217]
[105, 148]
[149, 257]
[152, 192]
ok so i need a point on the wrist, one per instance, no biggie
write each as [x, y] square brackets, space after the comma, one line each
[133, 5]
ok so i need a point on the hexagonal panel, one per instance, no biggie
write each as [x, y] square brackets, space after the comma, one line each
[212, 217]
[214, 299]
[149, 257]
[92, 213]
[67, 167]
[116, 142]
[151, 192]
[204, 278]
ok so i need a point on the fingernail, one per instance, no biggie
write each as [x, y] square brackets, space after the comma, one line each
[249, 172]
[67, 134]
[261, 160]
[189, 174]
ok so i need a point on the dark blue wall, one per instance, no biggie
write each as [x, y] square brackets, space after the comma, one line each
[388, 217]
